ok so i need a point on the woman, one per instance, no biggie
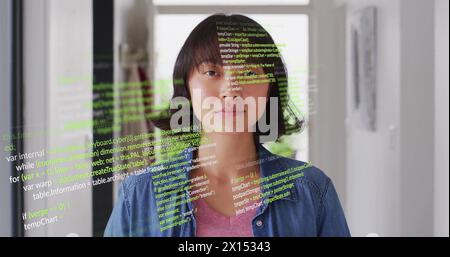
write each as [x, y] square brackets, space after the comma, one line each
[230, 86]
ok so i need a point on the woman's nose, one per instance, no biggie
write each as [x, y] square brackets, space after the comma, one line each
[230, 87]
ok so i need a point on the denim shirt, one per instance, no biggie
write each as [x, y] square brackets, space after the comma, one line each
[309, 208]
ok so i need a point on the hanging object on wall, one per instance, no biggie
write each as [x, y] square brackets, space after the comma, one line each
[363, 24]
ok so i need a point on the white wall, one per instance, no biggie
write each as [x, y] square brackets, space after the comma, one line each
[35, 86]
[373, 158]
[58, 45]
[441, 190]
[390, 171]
[417, 119]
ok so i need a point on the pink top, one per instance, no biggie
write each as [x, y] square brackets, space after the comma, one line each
[213, 224]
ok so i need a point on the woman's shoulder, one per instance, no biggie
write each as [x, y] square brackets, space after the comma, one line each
[308, 181]
[305, 174]
[311, 172]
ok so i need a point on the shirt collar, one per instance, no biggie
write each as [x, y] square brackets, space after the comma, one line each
[269, 165]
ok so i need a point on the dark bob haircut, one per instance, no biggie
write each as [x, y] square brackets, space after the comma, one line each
[202, 45]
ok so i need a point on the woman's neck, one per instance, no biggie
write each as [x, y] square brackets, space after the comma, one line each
[232, 152]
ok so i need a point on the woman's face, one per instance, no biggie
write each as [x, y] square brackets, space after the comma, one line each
[230, 98]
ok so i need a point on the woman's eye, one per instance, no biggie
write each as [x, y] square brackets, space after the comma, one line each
[249, 73]
[211, 73]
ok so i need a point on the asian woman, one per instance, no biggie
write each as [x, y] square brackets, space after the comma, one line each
[224, 183]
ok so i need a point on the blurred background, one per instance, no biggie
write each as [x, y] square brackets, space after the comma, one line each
[370, 76]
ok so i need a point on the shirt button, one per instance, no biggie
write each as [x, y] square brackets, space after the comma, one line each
[259, 223]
